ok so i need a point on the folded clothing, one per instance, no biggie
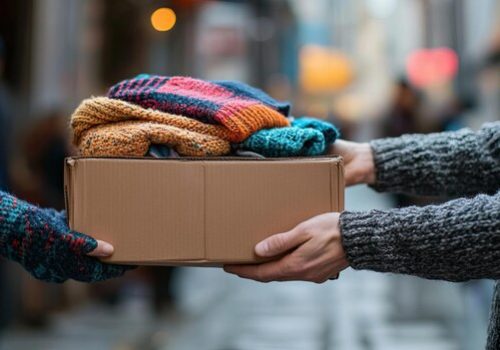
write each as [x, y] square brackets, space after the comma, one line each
[162, 151]
[306, 137]
[103, 127]
[194, 118]
[97, 111]
[133, 139]
[330, 132]
[240, 108]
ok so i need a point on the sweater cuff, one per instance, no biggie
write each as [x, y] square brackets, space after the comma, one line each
[365, 242]
[355, 237]
[391, 171]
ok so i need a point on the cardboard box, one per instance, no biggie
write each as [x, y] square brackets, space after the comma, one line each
[196, 212]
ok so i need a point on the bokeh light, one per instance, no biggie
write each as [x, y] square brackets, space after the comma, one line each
[428, 67]
[324, 70]
[163, 19]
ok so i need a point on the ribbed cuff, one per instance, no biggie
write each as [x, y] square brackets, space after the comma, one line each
[388, 154]
[362, 241]
[455, 241]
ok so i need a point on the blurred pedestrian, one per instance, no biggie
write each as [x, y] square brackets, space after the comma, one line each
[44, 146]
[403, 114]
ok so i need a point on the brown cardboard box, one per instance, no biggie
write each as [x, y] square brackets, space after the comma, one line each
[196, 212]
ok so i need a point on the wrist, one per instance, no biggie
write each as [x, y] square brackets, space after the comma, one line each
[367, 162]
[358, 240]
[342, 260]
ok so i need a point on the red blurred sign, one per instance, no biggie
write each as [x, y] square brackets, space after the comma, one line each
[428, 67]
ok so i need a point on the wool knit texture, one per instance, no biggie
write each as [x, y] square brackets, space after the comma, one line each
[455, 241]
[240, 108]
[106, 127]
[40, 240]
[306, 137]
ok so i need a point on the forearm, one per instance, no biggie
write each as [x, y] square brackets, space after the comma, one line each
[16, 231]
[456, 241]
[452, 163]
[10, 213]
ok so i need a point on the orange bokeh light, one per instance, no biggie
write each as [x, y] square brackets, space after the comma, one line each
[163, 19]
[323, 69]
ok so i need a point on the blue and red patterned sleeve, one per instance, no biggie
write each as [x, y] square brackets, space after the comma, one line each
[40, 240]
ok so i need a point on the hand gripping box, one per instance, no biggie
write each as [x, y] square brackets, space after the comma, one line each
[196, 212]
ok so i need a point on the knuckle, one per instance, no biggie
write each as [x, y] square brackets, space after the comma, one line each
[303, 227]
[315, 278]
[279, 241]
[306, 230]
[320, 280]
[309, 277]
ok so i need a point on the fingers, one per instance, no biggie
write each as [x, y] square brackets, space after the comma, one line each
[108, 271]
[96, 271]
[103, 250]
[280, 243]
[272, 271]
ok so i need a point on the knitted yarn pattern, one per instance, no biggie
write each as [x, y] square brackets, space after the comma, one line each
[105, 128]
[449, 163]
[306, 137]
[97, 111]
[330, 132]
[40, 240]
[242, 109]
[455, 241]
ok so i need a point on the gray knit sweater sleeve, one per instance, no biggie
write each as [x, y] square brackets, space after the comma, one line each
[449, 163]
[456, 241]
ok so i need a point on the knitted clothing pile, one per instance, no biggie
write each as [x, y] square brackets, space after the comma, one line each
[193, 118]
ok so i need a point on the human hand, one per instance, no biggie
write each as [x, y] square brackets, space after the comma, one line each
[313, 252]
[40, 240]
[358, 161]
[103, 249]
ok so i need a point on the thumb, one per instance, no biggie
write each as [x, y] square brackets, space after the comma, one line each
[103, 250]
[280, 243]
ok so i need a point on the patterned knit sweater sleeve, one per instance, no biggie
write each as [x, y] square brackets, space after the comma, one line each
[41, 241]
[449, 163]
[456, 241]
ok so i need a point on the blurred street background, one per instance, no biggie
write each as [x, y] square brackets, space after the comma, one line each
[375, 68]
